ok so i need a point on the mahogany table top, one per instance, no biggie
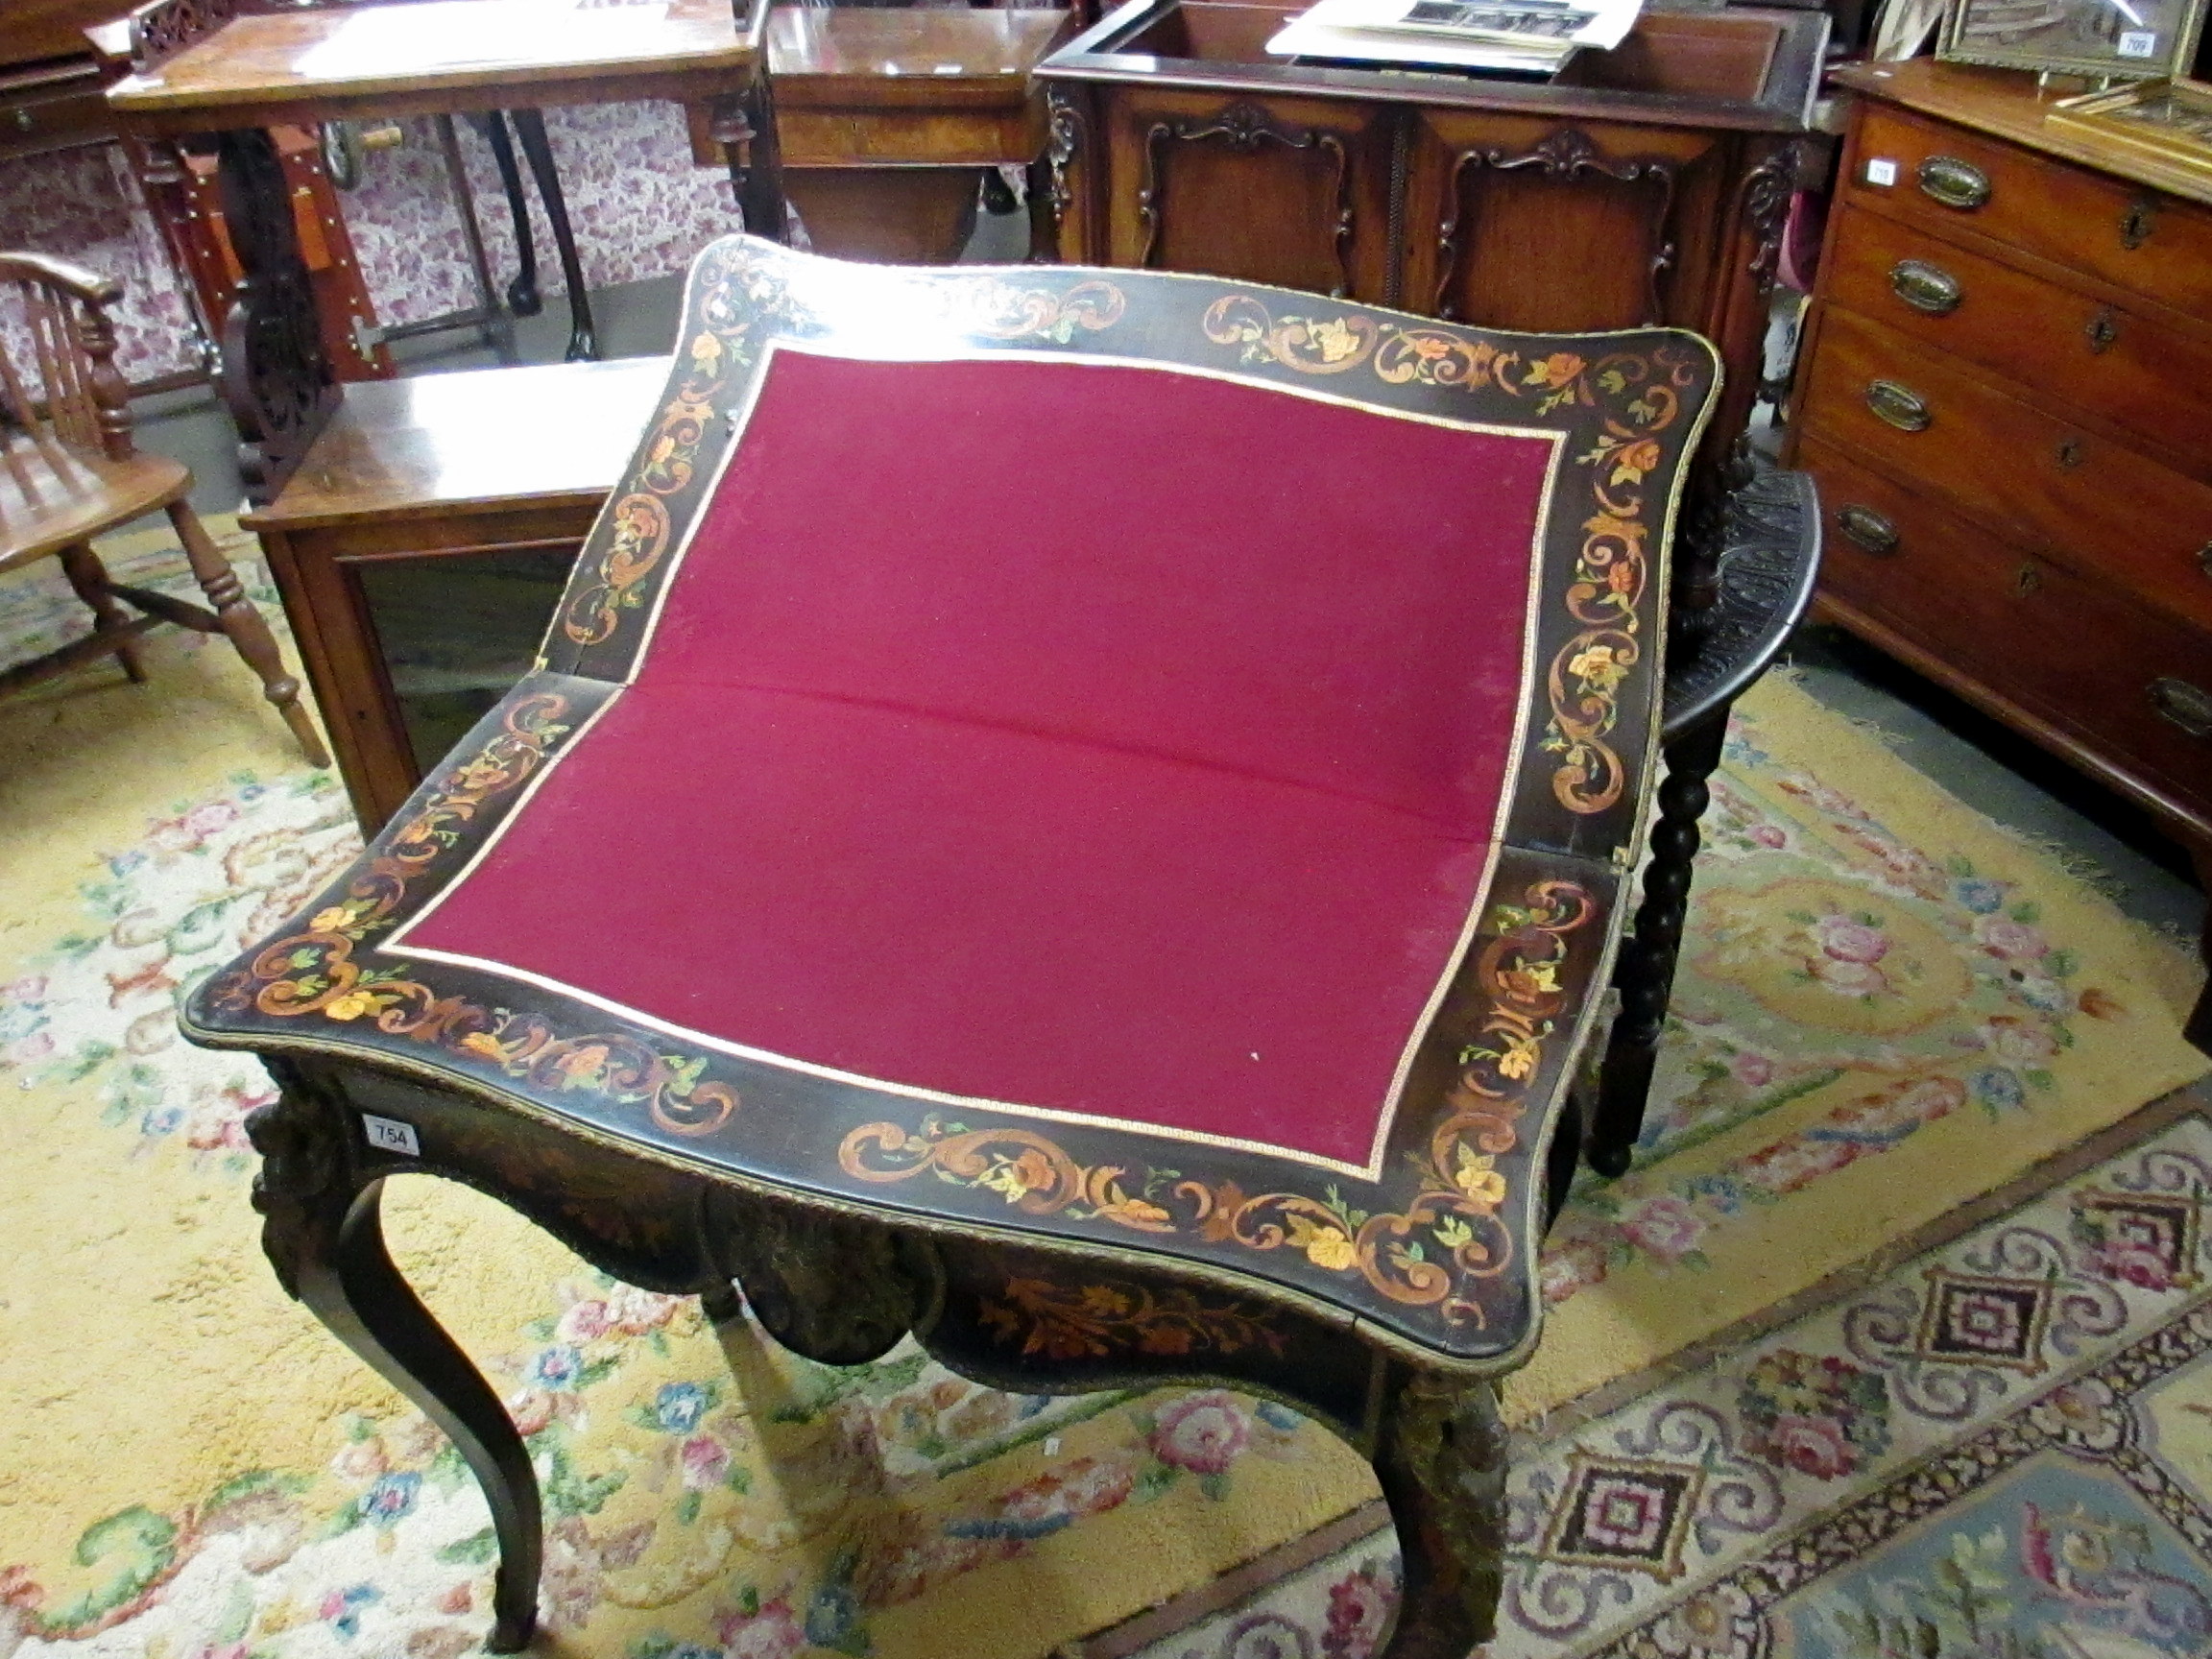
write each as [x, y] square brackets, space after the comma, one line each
[266, 68]
[891, 57]
[426, 446]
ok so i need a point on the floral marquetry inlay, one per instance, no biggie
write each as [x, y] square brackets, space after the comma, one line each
[1630, 399]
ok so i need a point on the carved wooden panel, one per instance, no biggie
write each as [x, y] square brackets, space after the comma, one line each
[1188, 166]
[1520, 223]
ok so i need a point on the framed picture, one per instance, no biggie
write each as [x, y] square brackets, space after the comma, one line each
[2170, 120]
[2145, 39]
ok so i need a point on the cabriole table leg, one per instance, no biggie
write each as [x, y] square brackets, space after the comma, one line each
[321, 1228]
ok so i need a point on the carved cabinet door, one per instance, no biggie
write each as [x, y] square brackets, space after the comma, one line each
[1187, 167]
[1515, 222]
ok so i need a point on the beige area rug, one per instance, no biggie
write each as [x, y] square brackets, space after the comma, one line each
[1890, 1008]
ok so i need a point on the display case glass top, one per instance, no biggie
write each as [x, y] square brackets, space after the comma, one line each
[1741, 68]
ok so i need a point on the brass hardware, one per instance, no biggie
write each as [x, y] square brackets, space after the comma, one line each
[23, 120]
[2205, 558]
[2069, 452]
[2189, 706]
[2102, 330]
[1925, 287]
[1954, 182]
[2138, 222]
[1900, 406]
[1868, 528]
[2027, 582]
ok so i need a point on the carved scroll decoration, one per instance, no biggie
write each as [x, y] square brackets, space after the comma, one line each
[1063, 143]
[1766, 197]
[1567, 155]
[1244, 128]
[167, 26]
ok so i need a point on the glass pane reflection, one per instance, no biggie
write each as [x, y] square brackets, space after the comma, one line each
[456, 632]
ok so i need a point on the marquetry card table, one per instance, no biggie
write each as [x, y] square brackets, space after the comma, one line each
[1141, 931]
[232, 69]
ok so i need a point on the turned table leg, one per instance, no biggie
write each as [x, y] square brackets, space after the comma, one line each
[1440, 1455]
[537, 150]
[322, 1232]
[1646, 971]
[522, 296]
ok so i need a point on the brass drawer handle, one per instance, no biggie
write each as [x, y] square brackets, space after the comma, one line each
[2137, 223]
[1925, 287]
[2205, 558]
[1868, 528]
[1954, 182]
[1899, 406]
[2189, 706]
[2102, 330]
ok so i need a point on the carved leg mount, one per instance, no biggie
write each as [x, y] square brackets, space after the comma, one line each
[1646, 972]
[321, 1230]
[1440, 1455]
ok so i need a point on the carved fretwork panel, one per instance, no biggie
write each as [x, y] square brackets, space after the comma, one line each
[1517, 224]
[276, 378]
[1187, 167]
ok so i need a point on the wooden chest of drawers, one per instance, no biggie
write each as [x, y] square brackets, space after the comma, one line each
[2007, 398]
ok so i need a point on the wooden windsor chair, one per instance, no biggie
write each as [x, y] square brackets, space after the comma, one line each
[69, 472]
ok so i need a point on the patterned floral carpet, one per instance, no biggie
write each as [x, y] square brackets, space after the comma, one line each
[1904, 1038]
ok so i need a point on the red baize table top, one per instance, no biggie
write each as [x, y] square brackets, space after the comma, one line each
[1076, 737]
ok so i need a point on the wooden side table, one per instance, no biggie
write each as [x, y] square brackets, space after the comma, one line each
[421, 544]
[886, 117]
[220, 68]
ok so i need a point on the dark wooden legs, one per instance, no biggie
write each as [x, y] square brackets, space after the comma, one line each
[88, 579]
[322, 1233]
[744, 125]
[537, 150]
[246, 630]
[1440, 1455]
[1646, 971]
[522, 296]
[844, 1289]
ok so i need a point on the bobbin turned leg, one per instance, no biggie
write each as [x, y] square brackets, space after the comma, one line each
[246, 630]
[1646, 974]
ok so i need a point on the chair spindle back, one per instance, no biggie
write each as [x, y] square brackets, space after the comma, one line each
[61, 396]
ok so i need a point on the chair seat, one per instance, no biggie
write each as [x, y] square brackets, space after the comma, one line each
[46, 507]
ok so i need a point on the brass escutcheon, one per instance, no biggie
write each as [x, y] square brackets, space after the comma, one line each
[2102, 330]
[2188, 706]
[2137, 223]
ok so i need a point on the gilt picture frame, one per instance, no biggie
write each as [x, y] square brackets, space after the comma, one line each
[2169, 121]
[2107, 40]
